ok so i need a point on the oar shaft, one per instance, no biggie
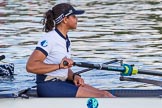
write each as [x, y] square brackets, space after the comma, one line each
[115, 68]
[143, 80]
[148, 72]
[85, 70]
[102, 66]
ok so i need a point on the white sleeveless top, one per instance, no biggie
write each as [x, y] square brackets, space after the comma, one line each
[55, 46]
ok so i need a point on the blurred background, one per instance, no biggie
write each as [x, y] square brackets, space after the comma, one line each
[124, 29]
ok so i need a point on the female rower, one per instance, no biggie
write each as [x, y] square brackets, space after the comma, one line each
[52, 77]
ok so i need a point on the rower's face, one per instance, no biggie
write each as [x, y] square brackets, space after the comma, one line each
[72, 22]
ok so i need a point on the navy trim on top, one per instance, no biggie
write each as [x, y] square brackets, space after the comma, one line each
[66, 39]
[60, 34]
[42, 50]
[67, 44]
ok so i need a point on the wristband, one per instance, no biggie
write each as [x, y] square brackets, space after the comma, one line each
[59, 66]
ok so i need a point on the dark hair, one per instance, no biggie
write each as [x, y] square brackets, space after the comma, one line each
[51, 15]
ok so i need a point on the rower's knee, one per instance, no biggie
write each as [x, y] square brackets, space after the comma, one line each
[86, 92]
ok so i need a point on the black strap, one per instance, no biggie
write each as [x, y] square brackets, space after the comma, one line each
[75, 74]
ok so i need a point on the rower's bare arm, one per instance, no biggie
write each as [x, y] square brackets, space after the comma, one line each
[36, 65]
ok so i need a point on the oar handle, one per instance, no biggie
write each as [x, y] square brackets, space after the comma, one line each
[65, 63]
[2, 57]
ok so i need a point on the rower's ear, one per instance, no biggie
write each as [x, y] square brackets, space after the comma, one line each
[65, 20]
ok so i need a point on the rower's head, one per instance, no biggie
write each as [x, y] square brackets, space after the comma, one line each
[58, 14]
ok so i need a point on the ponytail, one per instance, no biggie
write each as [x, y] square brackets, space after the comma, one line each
[48, 21]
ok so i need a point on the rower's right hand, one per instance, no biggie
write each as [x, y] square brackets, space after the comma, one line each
[69, 63]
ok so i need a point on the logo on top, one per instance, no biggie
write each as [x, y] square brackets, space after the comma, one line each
[44, 43]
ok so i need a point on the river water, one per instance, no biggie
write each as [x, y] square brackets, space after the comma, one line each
[130, 30]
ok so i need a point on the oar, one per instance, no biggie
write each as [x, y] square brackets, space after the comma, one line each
[125, 69]
[2, 57]
[85, 70]
[143, 80]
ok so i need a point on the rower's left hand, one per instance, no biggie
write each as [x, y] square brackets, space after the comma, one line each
[78, 81]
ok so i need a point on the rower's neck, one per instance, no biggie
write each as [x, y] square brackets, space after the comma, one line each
[63, 30]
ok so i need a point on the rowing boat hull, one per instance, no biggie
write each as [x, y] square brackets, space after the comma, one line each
[80, 102]
[121, 92]
[126, 98]
[32, 92]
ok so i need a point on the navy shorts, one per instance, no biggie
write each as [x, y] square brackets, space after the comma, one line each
[57, 89]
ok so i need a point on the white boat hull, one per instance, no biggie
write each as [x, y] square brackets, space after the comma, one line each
[80, 103]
